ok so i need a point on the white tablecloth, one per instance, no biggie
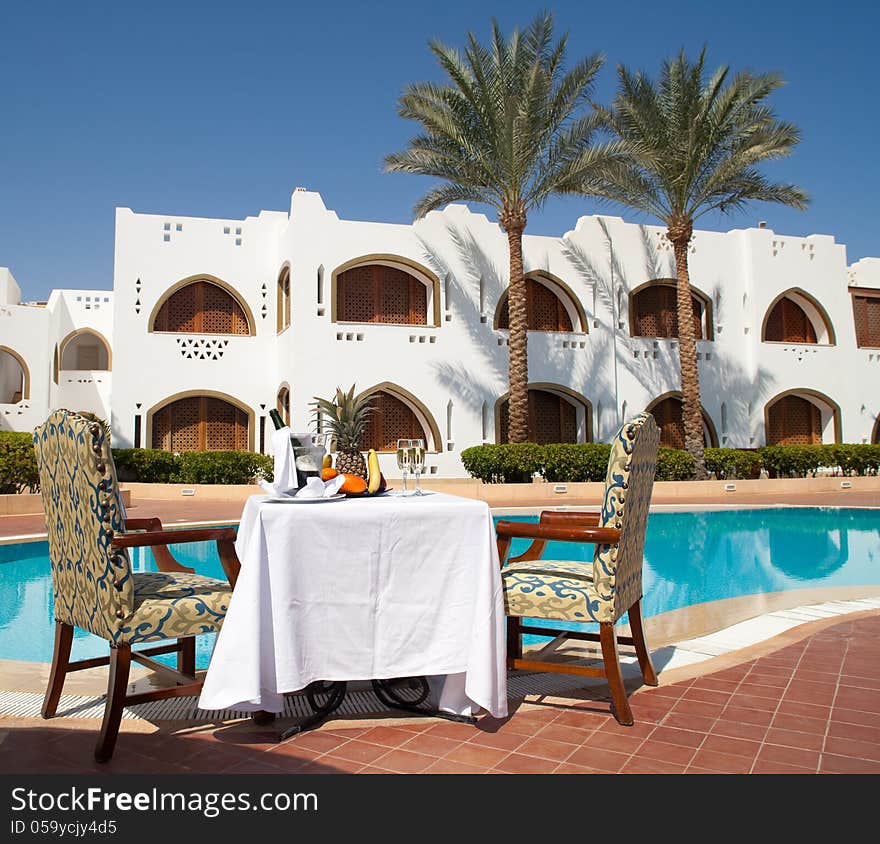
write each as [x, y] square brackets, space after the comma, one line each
[362, 589]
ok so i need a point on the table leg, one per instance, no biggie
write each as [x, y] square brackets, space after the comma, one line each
[335, 694]
[387, 692]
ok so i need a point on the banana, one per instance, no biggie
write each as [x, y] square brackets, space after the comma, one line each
[327, 462]
[374, 475]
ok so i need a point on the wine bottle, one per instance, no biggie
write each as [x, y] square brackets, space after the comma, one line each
[275, 416]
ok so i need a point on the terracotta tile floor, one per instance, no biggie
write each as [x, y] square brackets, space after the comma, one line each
[812, 706]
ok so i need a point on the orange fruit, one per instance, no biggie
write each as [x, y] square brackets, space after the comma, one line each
[328, 473]
[353, 484]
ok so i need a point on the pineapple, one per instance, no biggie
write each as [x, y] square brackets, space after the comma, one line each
[345, 419]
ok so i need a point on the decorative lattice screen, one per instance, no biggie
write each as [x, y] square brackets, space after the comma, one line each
[544, 309]
[794, 421]
[667, 415]
[391, 420]
[200, 423]
[789, 323]
[201, 308]
[377, 293]
[866, 312]
[655, 314]
[552, 419]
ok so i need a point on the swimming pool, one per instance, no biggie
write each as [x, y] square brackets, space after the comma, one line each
[690, 558]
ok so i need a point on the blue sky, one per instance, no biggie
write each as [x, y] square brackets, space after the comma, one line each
[220, 109]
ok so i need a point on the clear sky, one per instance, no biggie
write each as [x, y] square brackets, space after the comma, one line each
[220, 109]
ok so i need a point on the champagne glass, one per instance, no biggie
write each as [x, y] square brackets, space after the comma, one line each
[403, 459]
[417, 461]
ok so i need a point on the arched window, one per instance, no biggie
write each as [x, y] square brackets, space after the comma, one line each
[85, 349]
[795, 317]
[200, 423]
[553, 418]
[545, 309]
[653, 311]
[14, 377]
[282, 403]
[381, 293]
[667, 413]
[202, 307]
[392, 419]
[798, 419]
[283, 304]
[866, 314]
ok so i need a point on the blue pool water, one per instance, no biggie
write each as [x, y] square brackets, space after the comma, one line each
[690, 558]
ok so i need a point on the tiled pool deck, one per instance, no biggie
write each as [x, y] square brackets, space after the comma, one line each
[795, 690]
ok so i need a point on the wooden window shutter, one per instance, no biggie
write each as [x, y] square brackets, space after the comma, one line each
[200, 423]
[390, 420]
[201, 308]
[794, 421]
[866, 313]
[789, 323]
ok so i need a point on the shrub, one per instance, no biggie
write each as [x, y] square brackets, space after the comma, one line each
[220, 467]
[793, 461]
[573, 463]
[18, 463]
[674, 464]
[146, 465]
[730, 463]
[509, 463]
[856, 458]
[151, 465]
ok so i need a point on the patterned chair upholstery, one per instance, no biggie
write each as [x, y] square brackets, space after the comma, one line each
[602, 590]
[94, 586]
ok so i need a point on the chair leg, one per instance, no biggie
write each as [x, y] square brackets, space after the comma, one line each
[117, 684]
[60, 660]
[186, 656]
[638, 634]
[514, 637]
[608, 639]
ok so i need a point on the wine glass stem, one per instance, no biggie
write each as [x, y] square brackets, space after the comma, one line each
[404, 481]
[417, 473]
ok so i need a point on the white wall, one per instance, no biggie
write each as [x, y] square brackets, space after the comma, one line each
[458, 368]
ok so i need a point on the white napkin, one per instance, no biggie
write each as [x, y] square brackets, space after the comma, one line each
[285, 482]
[316, 488]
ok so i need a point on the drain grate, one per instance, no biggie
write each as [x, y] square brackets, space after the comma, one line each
[28, 705]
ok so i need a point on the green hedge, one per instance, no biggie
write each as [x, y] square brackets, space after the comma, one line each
[18, 463]
[150, 465]
[573, 463]
[513, 463]
[731, 463]
[570, 463]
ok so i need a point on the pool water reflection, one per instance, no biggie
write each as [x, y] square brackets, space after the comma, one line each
[690, 558]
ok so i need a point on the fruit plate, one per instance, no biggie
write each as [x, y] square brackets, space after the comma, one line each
[368, 494]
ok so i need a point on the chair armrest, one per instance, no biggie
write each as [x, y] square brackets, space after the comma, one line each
[570, 517]
[224, 537]
[559, 533]
[167, 537]
[505, 531]
[165, 560]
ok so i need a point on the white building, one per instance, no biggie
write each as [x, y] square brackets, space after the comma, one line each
[211, 323]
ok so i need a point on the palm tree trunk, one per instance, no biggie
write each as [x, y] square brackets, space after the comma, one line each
[687, 352]
[517, 352]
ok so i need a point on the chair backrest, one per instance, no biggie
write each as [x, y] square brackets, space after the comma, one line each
[617, 569]
[92, 583]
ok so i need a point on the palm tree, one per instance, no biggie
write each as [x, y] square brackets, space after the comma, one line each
[507, 130]
[693, 147]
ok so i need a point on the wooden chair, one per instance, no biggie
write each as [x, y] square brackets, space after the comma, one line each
[598, 591]
[95, 587]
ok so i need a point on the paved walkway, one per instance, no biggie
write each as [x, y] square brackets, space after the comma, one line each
[796, 691]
